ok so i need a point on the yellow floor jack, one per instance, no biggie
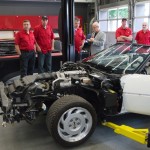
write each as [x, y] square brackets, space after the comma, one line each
[140, 135]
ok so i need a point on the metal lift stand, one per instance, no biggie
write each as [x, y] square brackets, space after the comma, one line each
[67, 30]
[139, 135]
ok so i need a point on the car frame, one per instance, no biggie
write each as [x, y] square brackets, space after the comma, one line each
[81, 94]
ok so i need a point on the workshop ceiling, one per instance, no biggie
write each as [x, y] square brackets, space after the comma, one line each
[79, 1]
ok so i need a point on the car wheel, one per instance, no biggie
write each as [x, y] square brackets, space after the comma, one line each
[71, 120]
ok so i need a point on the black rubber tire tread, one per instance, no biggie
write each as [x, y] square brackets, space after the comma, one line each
[56, 111]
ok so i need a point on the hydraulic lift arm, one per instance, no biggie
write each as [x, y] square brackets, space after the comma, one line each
[140, 135]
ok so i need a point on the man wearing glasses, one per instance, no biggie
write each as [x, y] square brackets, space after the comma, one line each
[143, 36]
[98, 39]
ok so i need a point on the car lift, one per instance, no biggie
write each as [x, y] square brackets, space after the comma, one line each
[139, 135]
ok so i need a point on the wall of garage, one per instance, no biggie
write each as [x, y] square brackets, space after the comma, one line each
[40, 8]
[12, 8]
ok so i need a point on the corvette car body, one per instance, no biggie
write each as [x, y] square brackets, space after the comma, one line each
[79, 95]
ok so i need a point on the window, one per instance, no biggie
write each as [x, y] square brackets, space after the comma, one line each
[138, 23]
[110, 19]
[103, 25]
[123, 12]
[144, 7]
[112, 13]
[142, 14]
[103, 15]
[112, 24]
[119, 23]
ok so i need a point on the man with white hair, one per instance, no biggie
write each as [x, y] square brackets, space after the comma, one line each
[143, 36]
[97, 39]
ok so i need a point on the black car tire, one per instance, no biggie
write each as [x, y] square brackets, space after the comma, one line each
[82, 118]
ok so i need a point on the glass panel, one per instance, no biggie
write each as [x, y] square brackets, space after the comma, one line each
[103, 15]
[112, 25]
[142, 9]
[112, 13]
[138, 23]
[119, 23]
[103, 25]
[123, 12]
[120, 58]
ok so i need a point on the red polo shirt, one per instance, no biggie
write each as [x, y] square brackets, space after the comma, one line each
[124, 32]
[25, 41]
[44, 37]
[143, 38]
[79, 37]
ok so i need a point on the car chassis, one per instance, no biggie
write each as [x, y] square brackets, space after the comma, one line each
[75, 98]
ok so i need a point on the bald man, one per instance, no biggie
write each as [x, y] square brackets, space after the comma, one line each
[98, 39]
[143, 36]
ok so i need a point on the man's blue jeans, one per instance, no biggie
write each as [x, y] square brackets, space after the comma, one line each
[27, 62]
[77, 56]
[44, 62]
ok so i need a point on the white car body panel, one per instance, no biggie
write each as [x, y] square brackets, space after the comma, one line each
[136, 93]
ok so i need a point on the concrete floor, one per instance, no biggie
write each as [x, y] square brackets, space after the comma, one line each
[36, 137]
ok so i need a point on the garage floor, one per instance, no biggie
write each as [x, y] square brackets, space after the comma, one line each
[36, 137]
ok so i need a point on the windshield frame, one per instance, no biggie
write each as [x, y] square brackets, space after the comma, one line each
[141, 53]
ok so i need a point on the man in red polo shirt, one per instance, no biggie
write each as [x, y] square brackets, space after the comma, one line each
[45, 44]
[79, 38]
[25, 47]
[143, 36]
[124, 33]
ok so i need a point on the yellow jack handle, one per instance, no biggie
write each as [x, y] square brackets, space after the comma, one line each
[139, 135]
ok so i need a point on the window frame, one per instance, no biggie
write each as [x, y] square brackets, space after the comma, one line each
[109, 19]
[142, 17]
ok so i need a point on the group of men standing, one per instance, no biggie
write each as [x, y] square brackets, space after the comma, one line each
[124, 34]
[41, 40]
[96, 41]
[27, 43]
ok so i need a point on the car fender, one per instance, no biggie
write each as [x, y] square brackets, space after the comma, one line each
[136, 93]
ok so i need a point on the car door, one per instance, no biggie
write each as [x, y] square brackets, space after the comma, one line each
[136, 93]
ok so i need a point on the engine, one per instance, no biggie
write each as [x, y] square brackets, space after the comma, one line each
[26, 98]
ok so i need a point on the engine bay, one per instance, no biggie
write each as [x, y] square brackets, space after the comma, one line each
[26, 98]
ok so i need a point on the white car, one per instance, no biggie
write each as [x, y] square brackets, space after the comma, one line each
[79, 95]
[136, 93]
